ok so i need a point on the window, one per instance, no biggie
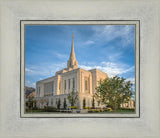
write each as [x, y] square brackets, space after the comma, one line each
[65, 84]
[73, 83]
[84, 103]
[86, 88]
[86, 84]
[48, 88]
[69, 84]
[59, 85]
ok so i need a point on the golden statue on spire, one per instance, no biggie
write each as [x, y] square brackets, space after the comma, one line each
[72, 36]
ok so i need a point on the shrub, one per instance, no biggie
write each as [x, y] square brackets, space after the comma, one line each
[87, 108]
[95, 110]
[90, 111]
[127, 109]
[98, 108]
[101, 110]
[74, 107]
[49, 109]
[35, 108]
[109, 109]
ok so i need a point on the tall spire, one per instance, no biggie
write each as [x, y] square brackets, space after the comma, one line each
[72, 55]
[72, 62]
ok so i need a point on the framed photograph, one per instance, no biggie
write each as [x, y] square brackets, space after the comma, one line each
[101, 80]
[73, 69]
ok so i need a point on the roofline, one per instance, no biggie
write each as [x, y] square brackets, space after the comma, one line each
[97, 70]
[71, 71]
[46, 79]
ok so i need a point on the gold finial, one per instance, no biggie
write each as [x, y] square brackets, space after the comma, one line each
[72, 36]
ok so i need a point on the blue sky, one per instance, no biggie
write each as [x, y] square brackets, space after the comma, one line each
[110, 48]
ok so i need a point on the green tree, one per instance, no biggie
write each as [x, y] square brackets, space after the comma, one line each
[72, 97]
[114, 91]
[64, 104]
[84, 103]
[59, 103]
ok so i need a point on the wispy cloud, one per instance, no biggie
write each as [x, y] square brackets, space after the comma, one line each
[89, 42]
[115, 56]
[46, 70]
[110, 68]
[61, 56]
[112, 32]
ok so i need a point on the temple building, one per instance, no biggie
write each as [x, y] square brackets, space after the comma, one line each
[48, 91]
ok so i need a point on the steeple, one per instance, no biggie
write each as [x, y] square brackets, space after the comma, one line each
[72, 62]
[72, 54]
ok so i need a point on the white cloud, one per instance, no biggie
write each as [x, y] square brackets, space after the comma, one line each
[110, 68]
[61, 56]
[86, 67]
[111, 32]
[28, 70]
[46, 70]
[115, 56]
[89, 42]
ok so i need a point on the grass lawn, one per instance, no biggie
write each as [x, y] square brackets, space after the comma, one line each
[34, 111]
[105, 112]
[120, 111]
[45, 112]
